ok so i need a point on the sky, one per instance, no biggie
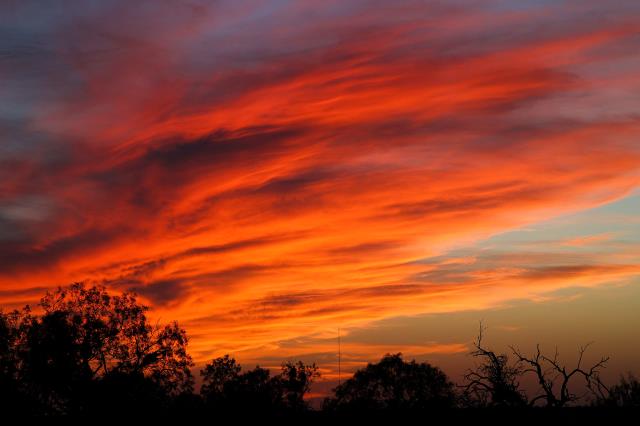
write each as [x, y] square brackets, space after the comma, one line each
[270, 172]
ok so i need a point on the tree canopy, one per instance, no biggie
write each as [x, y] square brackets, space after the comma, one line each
[87, 342]
[396, 384]
[225, 388]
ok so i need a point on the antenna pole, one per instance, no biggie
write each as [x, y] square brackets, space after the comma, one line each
[339, 356]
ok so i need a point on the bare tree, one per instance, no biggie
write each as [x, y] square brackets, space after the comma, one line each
[554, 378]
[494, 381]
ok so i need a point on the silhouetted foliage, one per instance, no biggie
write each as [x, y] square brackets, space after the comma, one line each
[88, 343]
[494, 381]
[625, 393]
[12, 397]
[296, 379]
[113, 334]
[394, 384]
[217, 377]
[120, 392]
[225, 388]
[256, 389]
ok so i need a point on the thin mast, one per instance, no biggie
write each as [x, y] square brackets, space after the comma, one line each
[339, 356]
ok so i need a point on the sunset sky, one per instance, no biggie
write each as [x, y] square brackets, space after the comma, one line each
[268, 172]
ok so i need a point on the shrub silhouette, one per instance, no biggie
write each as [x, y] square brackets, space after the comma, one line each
[394, 384]
[624, 394]
[225, 388]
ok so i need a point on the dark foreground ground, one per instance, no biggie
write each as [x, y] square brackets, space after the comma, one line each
[568, 416]
[537, 416]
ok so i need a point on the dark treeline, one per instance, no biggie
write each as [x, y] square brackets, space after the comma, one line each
[87, 352]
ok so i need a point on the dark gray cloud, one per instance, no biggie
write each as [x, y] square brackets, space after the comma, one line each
[161, 292]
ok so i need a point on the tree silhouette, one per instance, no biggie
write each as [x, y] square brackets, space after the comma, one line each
[394, 384]
[87, 341]
[12, 396]
[225, 388]
[493, 382]
[55, 363]
[549, 373]
[296, 379]
[256, 389]
[216, 379]
[113, 334]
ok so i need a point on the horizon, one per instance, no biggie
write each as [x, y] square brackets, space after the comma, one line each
[270, 172]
